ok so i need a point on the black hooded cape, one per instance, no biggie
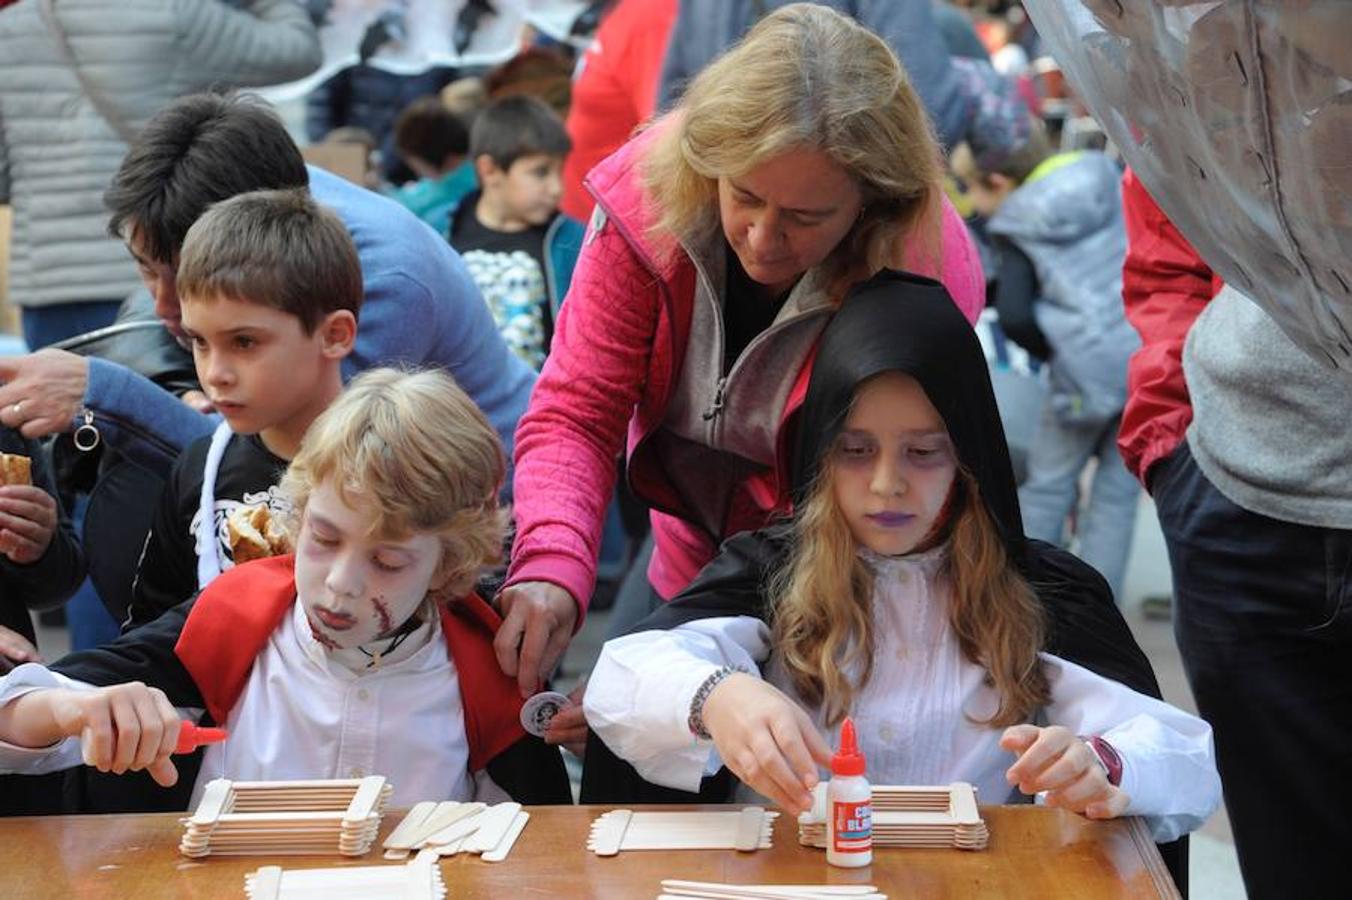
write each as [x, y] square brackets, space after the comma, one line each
[897, 321]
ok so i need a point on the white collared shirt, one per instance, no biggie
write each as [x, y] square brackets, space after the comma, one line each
[305, 713]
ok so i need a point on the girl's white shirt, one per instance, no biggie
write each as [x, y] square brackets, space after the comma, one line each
[306, 713]
[915, 717]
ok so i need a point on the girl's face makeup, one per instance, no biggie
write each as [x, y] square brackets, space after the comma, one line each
[356, 587]
[892, 466]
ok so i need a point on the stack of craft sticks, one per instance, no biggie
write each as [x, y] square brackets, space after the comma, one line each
[272, 818]
[415, 881]
[623, 829]
[672, 889]
[445, 829]
[910, 817]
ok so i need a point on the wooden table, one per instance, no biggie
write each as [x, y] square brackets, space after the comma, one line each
[1033, 852]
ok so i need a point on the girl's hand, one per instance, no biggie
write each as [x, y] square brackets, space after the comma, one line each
[27, 522]
[1056, 761]
[124, 728]
[766, 740]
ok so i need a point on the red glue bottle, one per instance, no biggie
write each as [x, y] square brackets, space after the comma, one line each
[849, 805]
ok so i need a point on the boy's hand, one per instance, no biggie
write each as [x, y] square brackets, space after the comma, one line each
[1056, 761]
[15, 649]
[537, 625]
[27, 522]
[124, 728]
[766, 740]
[568, 728]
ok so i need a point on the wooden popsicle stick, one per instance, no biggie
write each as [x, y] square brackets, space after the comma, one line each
[451, 823]
[749, 827]
[607, 832]
[494, 824]
[499, 853]
[399, 838]
[457, 833]
[265, 884]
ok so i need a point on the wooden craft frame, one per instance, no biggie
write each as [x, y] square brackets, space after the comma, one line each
[273, 818]
[414, 881]
[673, 889]
[912, 816]
[748, 829]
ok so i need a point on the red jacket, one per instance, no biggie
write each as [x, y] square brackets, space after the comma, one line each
[1165, 286]
[233, 618]
[615, 359]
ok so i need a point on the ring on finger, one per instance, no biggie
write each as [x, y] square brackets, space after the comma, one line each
[18, 408]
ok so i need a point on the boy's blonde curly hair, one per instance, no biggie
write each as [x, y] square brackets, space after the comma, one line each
[415, 447]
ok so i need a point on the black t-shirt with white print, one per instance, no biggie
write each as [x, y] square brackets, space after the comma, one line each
[167, 573]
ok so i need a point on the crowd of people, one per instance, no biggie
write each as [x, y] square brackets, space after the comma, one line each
[699, 323]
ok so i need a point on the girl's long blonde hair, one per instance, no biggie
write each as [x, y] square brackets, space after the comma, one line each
[823, 617]
[805, 77]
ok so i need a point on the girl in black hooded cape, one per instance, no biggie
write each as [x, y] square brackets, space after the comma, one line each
[963, 652]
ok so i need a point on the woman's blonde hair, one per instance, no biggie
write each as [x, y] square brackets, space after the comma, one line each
[413, 446]
[805, 77]
[824, 620]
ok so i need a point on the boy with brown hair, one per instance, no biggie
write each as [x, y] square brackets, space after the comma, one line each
[434, 143]
[270, 289]
[518, 247]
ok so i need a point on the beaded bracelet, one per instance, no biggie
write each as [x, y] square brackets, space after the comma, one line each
[696, 719]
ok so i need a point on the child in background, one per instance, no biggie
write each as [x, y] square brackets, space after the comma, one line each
[1056, 222]
[434, 143]
[365, 653]
[519, 249]
[270, 289]
[41, 566]
[903, 594]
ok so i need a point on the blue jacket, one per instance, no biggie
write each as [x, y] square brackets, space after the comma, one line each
[421, 308]
[1066, 217]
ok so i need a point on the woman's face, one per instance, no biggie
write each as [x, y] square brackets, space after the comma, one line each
[787, 214]
[893, 465]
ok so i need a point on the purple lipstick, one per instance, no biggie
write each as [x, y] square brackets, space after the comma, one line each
[890, 520]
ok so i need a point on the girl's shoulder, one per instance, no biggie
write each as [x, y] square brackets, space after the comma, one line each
[1084, 624]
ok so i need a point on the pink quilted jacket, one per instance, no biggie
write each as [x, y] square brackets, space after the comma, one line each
[618, 346]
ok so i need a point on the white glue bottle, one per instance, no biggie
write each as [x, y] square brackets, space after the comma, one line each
[849, 805]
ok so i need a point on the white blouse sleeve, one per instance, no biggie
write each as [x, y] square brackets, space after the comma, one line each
[1168, 761]
[26, 679]
[638, 698]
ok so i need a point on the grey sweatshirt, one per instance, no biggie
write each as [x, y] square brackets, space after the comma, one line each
[1272, 429]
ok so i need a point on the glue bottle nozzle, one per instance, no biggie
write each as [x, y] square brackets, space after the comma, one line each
[192, 736]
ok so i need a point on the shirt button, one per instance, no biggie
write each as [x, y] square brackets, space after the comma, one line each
[355, 772]
[363, 695]
[885, 732]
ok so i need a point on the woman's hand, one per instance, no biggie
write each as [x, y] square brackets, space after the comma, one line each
[1054, 760]
[15, 649]
[537, 624]
[766, 740]
[124, 728]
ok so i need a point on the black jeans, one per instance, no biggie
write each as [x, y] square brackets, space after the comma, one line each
[1263, 619]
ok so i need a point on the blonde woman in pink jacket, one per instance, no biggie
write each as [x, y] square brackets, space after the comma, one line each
[724, 236]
